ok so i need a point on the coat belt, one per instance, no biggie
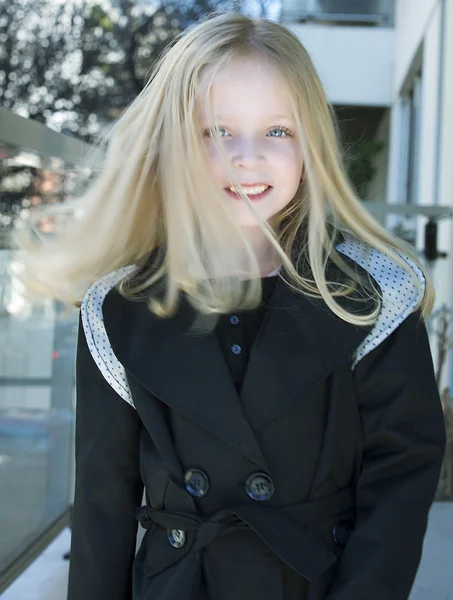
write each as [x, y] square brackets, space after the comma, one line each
[285, 530]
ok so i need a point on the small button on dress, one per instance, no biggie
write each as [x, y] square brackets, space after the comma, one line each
[237, 332]
[176, 537]
[260, 487]
[196, 482]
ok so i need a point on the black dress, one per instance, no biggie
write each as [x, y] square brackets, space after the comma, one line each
[237, 331]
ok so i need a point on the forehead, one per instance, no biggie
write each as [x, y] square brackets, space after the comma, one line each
[249, 87]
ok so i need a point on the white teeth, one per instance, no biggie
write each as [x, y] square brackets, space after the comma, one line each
[252, 191]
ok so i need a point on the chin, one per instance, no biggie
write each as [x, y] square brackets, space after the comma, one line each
[248, 221]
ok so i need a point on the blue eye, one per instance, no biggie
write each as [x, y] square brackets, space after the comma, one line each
[220, 130]
[282, 132]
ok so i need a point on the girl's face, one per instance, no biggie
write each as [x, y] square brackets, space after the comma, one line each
[252, 111]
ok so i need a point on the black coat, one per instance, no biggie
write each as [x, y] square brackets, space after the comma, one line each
[345, 460]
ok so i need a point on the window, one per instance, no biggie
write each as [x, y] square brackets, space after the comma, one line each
[411, 110]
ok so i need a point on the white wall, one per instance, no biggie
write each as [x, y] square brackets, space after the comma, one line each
[446, 141]
[412, 37]
[420, 25]
[355, 63]
[446, 166]
[412, 18]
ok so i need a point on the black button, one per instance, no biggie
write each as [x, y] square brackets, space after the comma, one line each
[341, 532]
[259, 486]
[196, 482]
[234, 320]
[176, 537]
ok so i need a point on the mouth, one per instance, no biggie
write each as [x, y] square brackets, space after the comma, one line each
[253, 192]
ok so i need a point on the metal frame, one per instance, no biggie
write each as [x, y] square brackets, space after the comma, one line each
[432, 211]
[344, 17]
[30, 135]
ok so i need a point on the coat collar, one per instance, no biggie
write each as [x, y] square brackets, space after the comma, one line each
[299, 344]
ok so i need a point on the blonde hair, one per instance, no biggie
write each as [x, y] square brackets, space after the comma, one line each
[155, 205]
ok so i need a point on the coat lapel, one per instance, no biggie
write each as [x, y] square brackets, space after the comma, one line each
[299, 344]
[182, 368]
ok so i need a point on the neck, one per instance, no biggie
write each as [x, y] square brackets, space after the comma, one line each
[265, 253]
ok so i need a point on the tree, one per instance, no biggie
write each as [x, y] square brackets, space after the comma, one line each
[76, 65]
[34, 53]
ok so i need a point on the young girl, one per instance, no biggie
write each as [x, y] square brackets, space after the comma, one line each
[252, 350]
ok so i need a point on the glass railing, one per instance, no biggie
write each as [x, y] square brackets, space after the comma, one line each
[364, 12]
[37, 347]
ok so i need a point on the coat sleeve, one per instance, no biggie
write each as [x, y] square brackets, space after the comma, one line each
[108, 487]
[403, 446]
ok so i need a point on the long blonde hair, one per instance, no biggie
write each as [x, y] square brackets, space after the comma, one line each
[155, 205]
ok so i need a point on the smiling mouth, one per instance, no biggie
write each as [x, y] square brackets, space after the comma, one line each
[253, 192]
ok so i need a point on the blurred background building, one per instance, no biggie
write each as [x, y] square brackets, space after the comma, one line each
[66, 71]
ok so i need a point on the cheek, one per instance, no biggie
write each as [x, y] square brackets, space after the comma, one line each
[214, 161]
[289, 163]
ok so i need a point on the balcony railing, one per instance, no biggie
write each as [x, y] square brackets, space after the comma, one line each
[360, 12]
[37, 346]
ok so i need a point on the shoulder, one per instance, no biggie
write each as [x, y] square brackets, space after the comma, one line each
[399, 291]
[96, 335]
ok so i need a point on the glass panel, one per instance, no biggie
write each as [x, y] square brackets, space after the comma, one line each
[376, 12]
[37, 347]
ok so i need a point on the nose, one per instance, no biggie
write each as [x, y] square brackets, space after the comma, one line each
[246, 154]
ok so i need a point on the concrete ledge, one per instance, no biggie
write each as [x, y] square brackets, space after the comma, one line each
[434, 579]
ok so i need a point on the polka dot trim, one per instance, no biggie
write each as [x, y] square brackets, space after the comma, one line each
[399, 292]
[400, 297]
[96, 335]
